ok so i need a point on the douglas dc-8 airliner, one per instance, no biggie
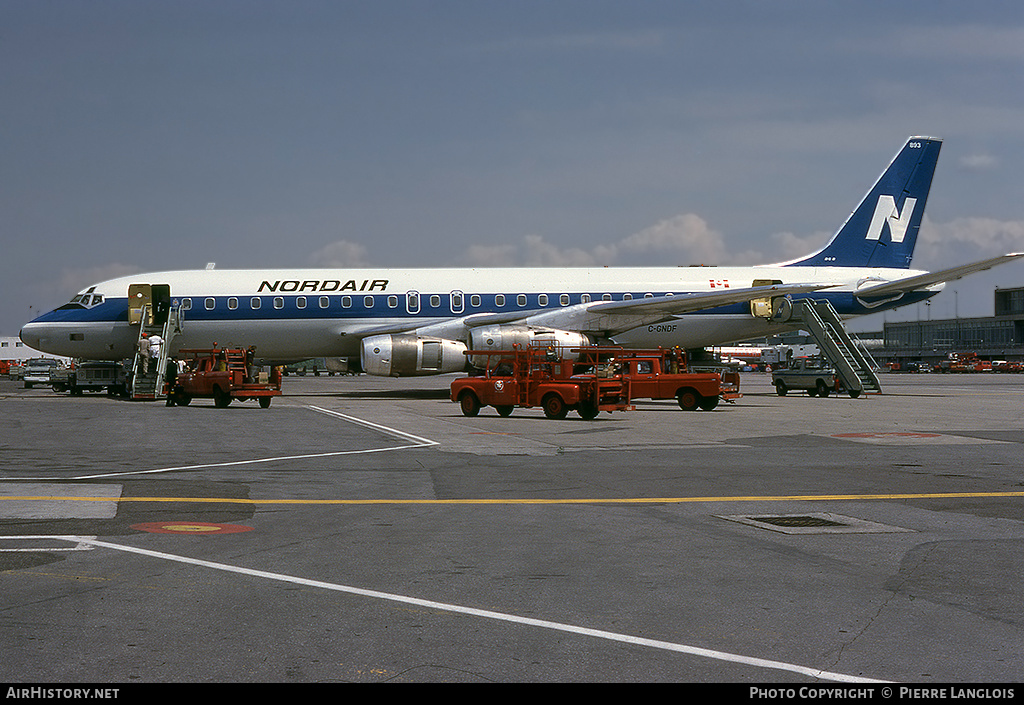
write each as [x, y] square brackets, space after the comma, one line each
[404, 322]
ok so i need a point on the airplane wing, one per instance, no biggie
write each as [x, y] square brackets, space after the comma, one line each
[902, 286]
[611, 317]
[441, 328]
[607, 317]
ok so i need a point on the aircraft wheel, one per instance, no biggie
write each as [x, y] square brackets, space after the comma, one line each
[554, 407]
[688, 399]
[469, 404]
[780, 388]
[504, 410]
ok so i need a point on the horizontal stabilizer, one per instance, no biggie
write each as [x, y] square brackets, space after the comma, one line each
[902, 286]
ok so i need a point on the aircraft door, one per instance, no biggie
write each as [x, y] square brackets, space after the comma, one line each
[148, 303]
[139, 297]
[161, 294]
[762, 308]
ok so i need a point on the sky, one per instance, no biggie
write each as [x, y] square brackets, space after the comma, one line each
[144, 135]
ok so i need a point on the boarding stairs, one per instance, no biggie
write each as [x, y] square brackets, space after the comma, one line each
[150, 386]
[872, 363]
[852, 362]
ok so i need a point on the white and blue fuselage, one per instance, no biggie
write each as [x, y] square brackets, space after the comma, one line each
[300, 314]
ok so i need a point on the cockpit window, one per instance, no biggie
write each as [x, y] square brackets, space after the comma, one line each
[87, 300]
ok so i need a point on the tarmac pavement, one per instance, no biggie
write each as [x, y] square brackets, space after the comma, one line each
[362, 530]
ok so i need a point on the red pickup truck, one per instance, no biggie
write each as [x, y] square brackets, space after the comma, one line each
[529, 377]
[664, 374]
[222, 374]
[589, 380]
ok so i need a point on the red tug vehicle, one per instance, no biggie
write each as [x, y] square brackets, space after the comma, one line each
[589, 380]
[223, 374]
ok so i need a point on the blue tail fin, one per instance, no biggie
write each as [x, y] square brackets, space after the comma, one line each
[882, 230]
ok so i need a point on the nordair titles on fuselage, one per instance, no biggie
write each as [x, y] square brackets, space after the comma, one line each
[288, 285]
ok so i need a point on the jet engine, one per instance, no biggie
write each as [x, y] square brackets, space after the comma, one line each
[411, 355]
[505, 337]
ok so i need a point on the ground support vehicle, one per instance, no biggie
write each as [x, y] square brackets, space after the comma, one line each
[810, 374]
[530, 377]
[589, 380]
[964, 362]
[91, 376]
[664, 374]
[38, 370]
[223, 374]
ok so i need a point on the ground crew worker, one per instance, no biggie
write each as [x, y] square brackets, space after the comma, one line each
[155, 341]
[171, 378]
[144, 346]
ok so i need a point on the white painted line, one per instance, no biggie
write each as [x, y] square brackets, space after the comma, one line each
[82, 544]
[379, 427]
[253, 461]
[487, 614]
[418, 442]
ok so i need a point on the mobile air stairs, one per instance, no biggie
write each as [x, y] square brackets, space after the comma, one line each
[150, 385]
[853, 363]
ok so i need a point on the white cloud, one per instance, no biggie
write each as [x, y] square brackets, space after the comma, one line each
[685, 239]
[978, 162]
[680, 240]
[688, 234]
[493, 255]
[960, 42]
[965, 240]
[788, 246]
[340, 254]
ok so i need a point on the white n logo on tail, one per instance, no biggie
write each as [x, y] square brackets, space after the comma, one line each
[898, 222]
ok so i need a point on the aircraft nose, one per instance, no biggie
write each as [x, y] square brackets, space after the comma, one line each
[31, 335]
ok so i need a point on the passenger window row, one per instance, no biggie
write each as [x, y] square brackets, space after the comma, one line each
[456, 301]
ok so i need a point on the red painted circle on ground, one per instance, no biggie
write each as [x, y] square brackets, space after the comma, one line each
[190, 527]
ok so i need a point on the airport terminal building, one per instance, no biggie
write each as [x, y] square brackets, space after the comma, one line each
[998, 337]
[14, 350]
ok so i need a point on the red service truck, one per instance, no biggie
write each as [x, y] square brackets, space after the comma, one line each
[223, 374]
[587, 380]
[665, 374]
